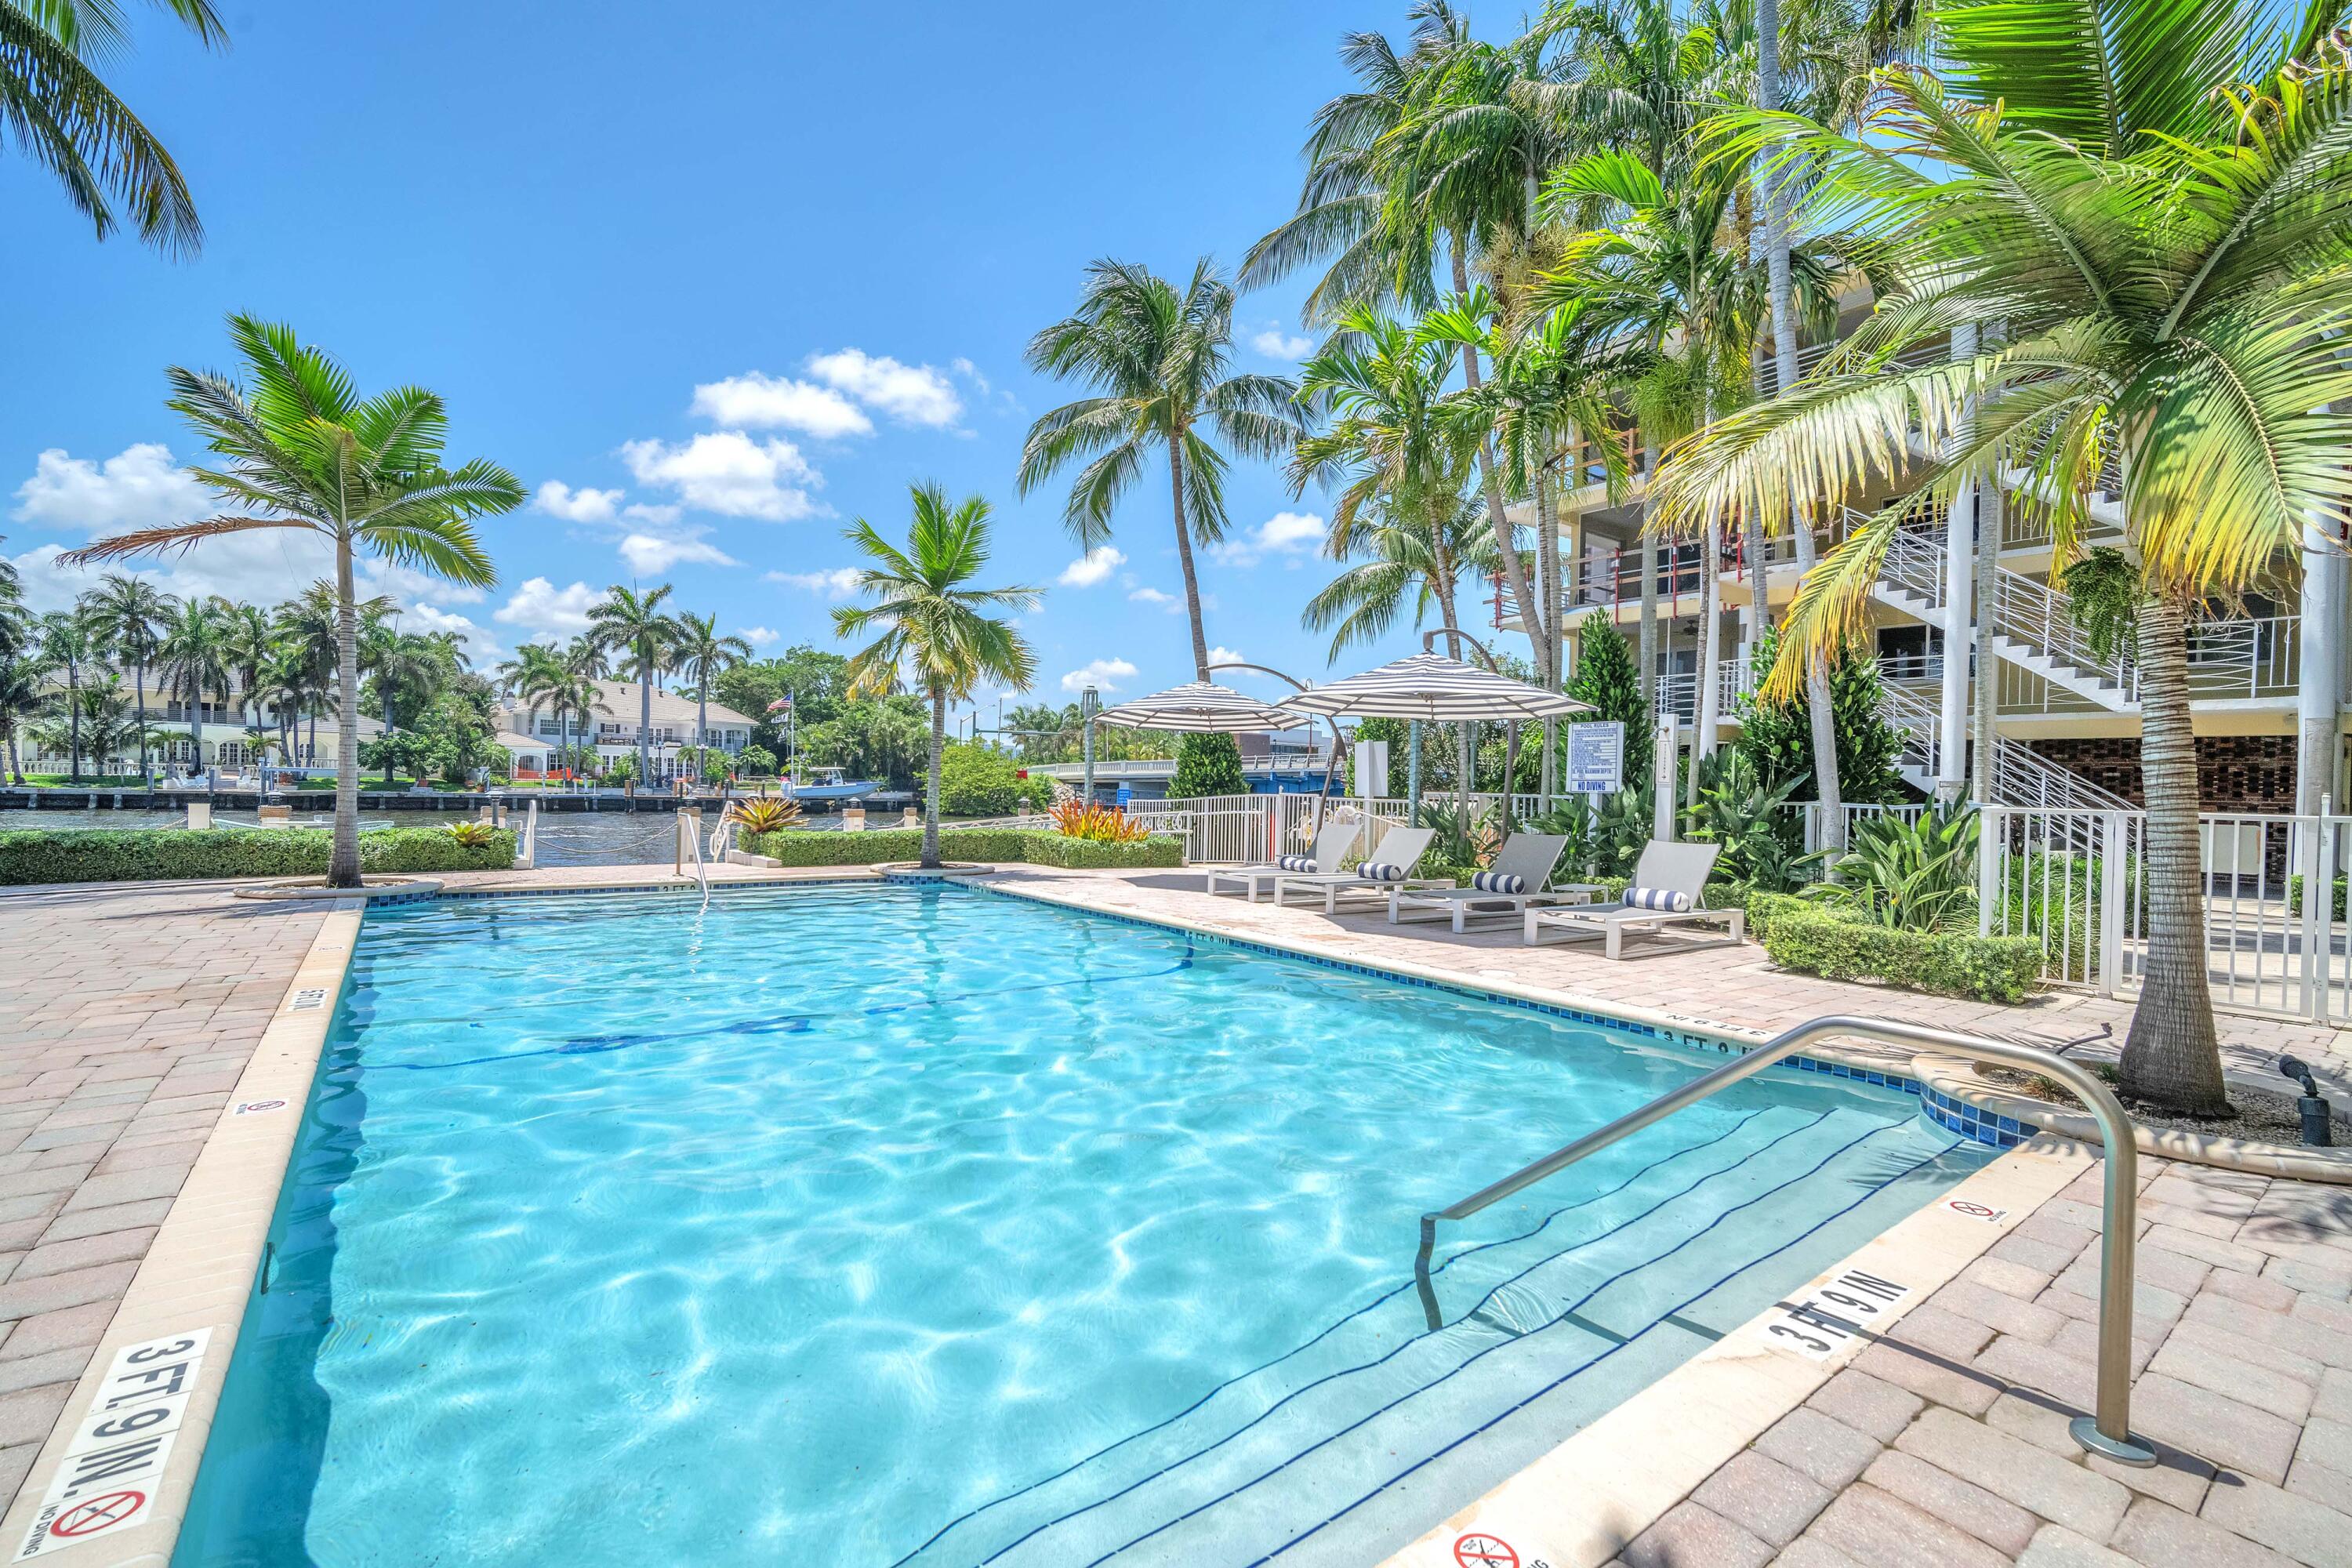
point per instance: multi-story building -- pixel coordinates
(2262, 673)
(535, 732)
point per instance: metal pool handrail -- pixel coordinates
(529, 856)
(2107, 1432)
(689, 842)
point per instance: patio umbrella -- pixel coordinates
(1436, 690)
(1198, 707)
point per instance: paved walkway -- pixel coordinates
(126, 1017)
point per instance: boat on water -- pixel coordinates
(827, 784)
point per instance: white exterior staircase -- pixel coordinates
(2030, 625)
(2021, 775)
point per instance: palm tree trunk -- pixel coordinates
(1704, 701)
(73, 720)
(1184, 556)
(2171, 1055)
(1986, 693)
(644, 722)
(387, 726)
(343, 860)
(931, 788)
(1647, 650)
(138, 680)
(1534, 617)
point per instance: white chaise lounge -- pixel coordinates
(1388, 866)
(1331, 847)
(1663, 899)
(1505, 890)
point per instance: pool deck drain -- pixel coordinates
(148, 1029)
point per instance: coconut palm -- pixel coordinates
(128, 616)
(2170, 242)
(934, 624)
(299, 448)
(24, 696)
(194, 662)
(68, 641)
(635, 625)
(1417, 558)
(1158, 357)
(701, 654)
(310, 629)
(408, 668)
(62, 115)
(251, 639)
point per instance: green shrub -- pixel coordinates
(978, 781)
(1207, 764)
(1815, 941)
(157, 854)
(2295, 896)
(983, 843)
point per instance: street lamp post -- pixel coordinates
(1089, 704)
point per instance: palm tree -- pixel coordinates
(128, 616)
(251, 641)
(407, 668)
(302, 450)
(635, 625)
(2169, 241)
(701, 654)
(68, 640)
(23, 696)
(1418, 556)
(193, 660)
(1159, 358)
(583, 664)
(934, 625)
(310, 628)
(63, 117)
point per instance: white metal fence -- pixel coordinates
(2076, 882)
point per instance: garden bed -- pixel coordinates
(30, 855)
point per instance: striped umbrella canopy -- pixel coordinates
(1199, 707)
(1431, 687)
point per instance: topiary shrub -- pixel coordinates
(1207, 764)
(158, 854)
(978, 781)
(1815, 941)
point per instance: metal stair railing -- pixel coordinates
(2106, 1431)
(2021, 775)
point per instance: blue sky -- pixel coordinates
(713, 281)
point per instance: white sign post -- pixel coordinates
(1663, 759)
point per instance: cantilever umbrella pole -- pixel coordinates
(1339, 741)
(1470, 750)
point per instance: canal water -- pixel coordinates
(565, 838)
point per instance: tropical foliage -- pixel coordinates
(1096, 823)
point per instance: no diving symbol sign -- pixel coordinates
(1976, 1211)
(89, 1518)
(1484, 1551)
(258, 1107)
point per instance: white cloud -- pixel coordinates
(1223, 655)
(729, 473)
(650, 555)
(659, 516)
(1284, 533)
(838, 583)
(1275, 343)
(584, 505)
(759, 637)
(756, 400)
(1154, 596)
(139, 486)
(1105, 673)
(390, 579)
(543, 607)
(1092, 567)
(912, 394)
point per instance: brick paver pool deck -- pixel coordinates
(128, 1014)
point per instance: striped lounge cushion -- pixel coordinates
(1298, 863)
(1656, 899)
(1497, 882)
(1374, 871)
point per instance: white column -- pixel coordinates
(1710, 649)
(2317, 694)
(1959, 575)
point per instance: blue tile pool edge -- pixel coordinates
(1947, 1112)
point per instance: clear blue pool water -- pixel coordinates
(930, 1226)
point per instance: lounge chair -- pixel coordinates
(1665, 898)
(1331, 848)
(1505, 890)
(1388, 866)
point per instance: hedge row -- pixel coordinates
(1814, 940)
(156, 854)
(984, 844)
(2295, 896)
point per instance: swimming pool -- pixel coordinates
(851, 1226)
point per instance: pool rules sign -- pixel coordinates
(106, 1483)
